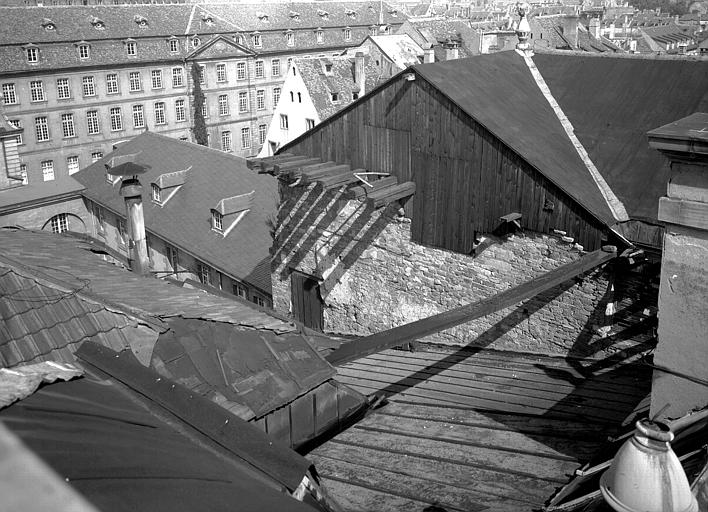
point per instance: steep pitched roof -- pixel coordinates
(184, 219)
(401, 49)
(611, 102)
(443, 30)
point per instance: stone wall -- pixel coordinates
(372, 277)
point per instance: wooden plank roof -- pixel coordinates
(473, 429)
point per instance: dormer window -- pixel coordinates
(393, 12)
(131, 48)
(262, 16)
(373, 30)
(257, 41)
(97, 23)
(32, 54)
(141, 21)
(335, 97)
(239, 39)
(207, 18)
(290, 38)
(84, 51)
(351, 13)
(166, 185)
(328, 68)
(156, 193)
(48, 24)
(320, 36)
(295, 16)
(196, 42)
(323, 14)
(174, 45)
(347, 34)
(217, 221)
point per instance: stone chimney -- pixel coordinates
(429, 55)
(452, 49)
(523, 29)
(359, 73)
(594, 27)
(612, 30)
(132, 191)
(681, 372)
(570, 29)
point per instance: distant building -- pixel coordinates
(314, 90)
(207, 216)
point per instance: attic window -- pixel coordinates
(320, 36)
(156, 193)
(196, 42)
(32, 54)
(328, 67)
(351, 13)
(373, 30)
(238, 38)
(131, 48)
(97, 23)
(217, 221)
(335, 97)
(294, 15)
(323, 14)
(48, 24)
(347, 34)
(393, 12)
(262, 16)
(207, 18)
(256, 39)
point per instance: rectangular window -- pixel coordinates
(112, 83)
(92, 122)
(258, 301)
(309, 124)
(245, 138)
(240, 70)
(89, 87)
(243, 102)
(9, 95)
(177, 80)
(138, 116)
(275, 67)
(262, 130)
(204, 274)
(290, 38)
(16, 124)
(223, 105)
(276, 96)
(257, 42)
(156, 76)
(131, 49)
(41, 128)
(172, 257)
(217, 220)
(156, 193)
(96, 156)
(116, 119)
(36, 90)
(180, 111)
(221, 72)
(122, 231)
(260, 99)
(226, 141)
(63, 91)
(174, 45)
(135, 84)
(32, 55)
(283, 122)
(347, 34)
(67, 125)
(202, 75)
(23, 173)
(260, 69)
(60, 223)
(239, 290)
(72, 164)
(160, 113)
(320, 37)
(48, 170)
(84, 51)
(205, 110)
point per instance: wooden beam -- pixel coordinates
(266, 162)
(329, 171)
(339, 180)
(365, 190)
(291, 165)
(436, 323)
(390, 194)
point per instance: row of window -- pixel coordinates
(88, 85)
(93, 125)
(242, 70)
(47, 166)
(227, 143)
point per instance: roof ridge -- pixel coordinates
(613, 202)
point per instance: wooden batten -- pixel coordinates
(297, 163)
(332, 170)
(269, 166)
(260, 163)
(390, 194)
(340, 180)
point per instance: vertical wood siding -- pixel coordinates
(466, 178)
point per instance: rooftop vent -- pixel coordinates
(294, 15)
(48, 24)
(97, 23)
(349, 12)
(207, 18)
(140, 20)
(322, 14)
(262, 16)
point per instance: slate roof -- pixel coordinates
(627, 97)
(321, 85)
(45, 190)
(438, 31)
(185, 220)
(56, 294)
(401, 49)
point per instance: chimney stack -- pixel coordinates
(359, 73)
(132, 191)
(570, 29)
(452, 50)
(429, 55)
(523, 29)
(594, 27)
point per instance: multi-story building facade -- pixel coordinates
(80, 79)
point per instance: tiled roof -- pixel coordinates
(443, 30)
(11, 198)
(506, 101)
(184, 220)
(321, 85)
(401, 49)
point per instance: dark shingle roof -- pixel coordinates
(611, 102)
(185, 219)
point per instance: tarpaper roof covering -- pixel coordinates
(56, 294)
(123, 457)
(185, 220)
(610, 101)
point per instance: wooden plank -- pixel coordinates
(364, 190)
(382, 197)
(418, 329)
(356, 498)
(297, 163)
(487, 485)
(683, 212)
(533, 466)
(341, 179)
